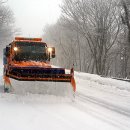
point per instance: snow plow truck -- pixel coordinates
(27, 69)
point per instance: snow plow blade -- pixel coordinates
(39, 80)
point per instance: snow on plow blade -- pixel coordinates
(40, 80)
(38, 87)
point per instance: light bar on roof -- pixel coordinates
(29, 39)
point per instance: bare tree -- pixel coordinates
(90, 34)
(125, 46)
(98, 22)
(64, 41)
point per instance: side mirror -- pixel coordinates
(4, 56)
(51, 52)
(7, 51)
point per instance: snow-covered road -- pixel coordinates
(100, 104)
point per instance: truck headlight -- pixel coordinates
(15, 48)
(49, 50)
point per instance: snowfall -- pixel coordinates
(99, 104)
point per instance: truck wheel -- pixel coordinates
(6, 90)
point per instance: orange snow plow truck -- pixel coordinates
(27, 69)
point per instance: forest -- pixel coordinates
(93, 36)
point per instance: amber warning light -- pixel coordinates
(29, 39)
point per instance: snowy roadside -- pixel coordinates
(113, 83)
(107, 91)
(100, 104)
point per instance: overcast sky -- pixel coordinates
(32, 15)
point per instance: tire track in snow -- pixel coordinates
(102, 103)
(109, 116)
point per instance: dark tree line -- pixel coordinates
(125, 55)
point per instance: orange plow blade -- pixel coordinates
(25, 80)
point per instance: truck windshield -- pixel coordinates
(30, 51)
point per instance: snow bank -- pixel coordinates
(122, 85)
